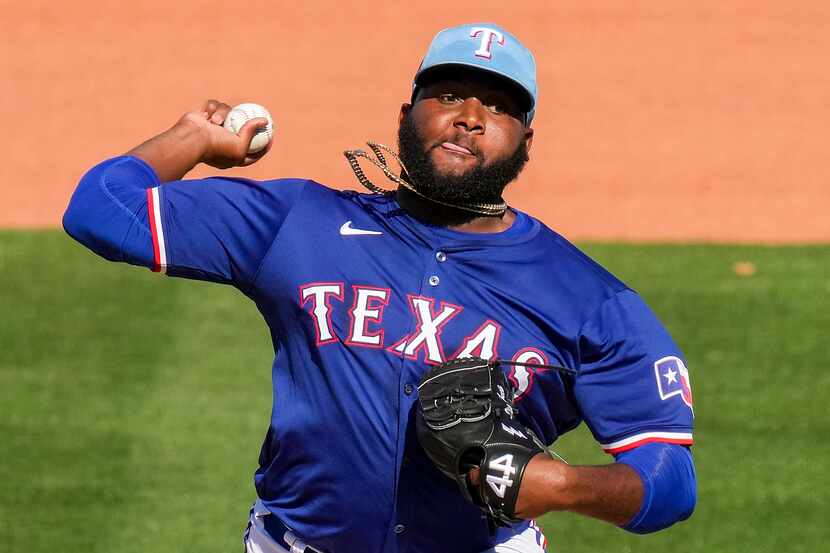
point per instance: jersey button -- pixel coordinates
(400, 528)
(434, 280)
(440, 256)
(408, 389)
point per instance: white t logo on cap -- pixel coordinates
(487, 35)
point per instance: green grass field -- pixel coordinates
(132, 406)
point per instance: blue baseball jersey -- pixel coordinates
(361, 298)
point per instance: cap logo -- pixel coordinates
(485, 47)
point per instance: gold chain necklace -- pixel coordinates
(378, 149)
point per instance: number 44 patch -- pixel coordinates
(504, 466)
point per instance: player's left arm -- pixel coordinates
(649, 488)
(634, 392)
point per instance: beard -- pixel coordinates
(481, 184)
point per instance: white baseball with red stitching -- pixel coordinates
(240, 114)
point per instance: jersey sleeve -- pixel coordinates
(217, 229)
(108, 211)
(632, 386)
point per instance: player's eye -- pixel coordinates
(497, 108)
(449, 98)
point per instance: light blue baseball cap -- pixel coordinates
(487, 47)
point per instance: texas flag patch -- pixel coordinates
(673, 379)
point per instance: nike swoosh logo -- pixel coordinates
(348, 230)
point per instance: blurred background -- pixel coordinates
(683, 145)
(657, 120)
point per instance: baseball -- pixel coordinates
(243, 112)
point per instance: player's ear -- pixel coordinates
(404, 110)
(528, 132)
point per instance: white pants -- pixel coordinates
(257, 539)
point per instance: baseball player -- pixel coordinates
(366, 292)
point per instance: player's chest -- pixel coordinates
(405, 298)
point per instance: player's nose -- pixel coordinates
(471, 115)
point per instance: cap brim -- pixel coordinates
(522, 93)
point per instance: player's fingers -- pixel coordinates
(220, 113)
(251, 128)
(216, 111)
(210, 106)
(247, 133)
(253, 158)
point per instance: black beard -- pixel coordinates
(482, 184)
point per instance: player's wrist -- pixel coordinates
(176, 151)
(192, 132)
(544, 488)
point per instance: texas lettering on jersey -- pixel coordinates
(367, 309)
(320, 299)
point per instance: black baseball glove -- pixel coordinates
(465, 419)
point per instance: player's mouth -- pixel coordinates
(456, 148)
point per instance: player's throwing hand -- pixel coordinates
(199, 137)
(225, 149)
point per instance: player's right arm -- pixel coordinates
(134, 209)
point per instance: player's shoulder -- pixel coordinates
(573, 264)
(239, 193)
(319, 195)
(292, 190)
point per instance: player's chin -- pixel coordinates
(453, 173)
(453, 165)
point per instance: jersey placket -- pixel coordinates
(409, 377)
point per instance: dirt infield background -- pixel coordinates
(659, 120)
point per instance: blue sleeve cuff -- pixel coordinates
(669, 485)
